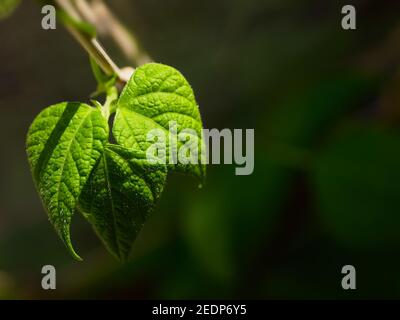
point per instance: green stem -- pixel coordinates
(99, 14)
(109, 106)
(88, 42)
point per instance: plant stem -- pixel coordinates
(98, 13)
(109, 105)
(89, 43)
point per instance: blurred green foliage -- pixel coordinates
(356, 181)
(325, 108)
(7, 7)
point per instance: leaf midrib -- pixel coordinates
(111, 203)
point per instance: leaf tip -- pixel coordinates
(68, 243)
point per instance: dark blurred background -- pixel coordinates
(325, 105)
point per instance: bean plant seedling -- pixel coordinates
(93, 159)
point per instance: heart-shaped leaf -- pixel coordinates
(119, 196)
(158, 97)
(64, 144)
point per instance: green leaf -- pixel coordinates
(156, 95)
(64, 144)
(7, 7)
(119, 196)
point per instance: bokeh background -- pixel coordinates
(325, 106)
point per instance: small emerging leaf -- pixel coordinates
(64, 144)
(155, 96)
(119, 196)
(104, 81)
(84, 28)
